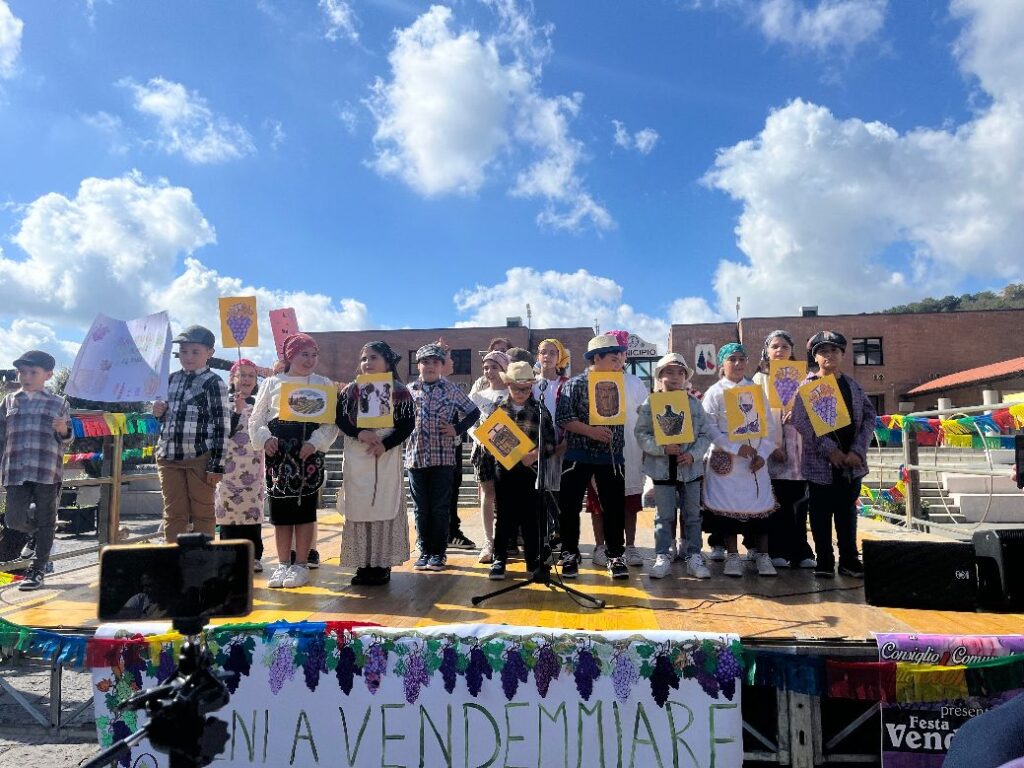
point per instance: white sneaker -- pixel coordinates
(633, 556)
(808, 562)
(599, 556)
(781, 562)
(276, 580)
(298, 575)
(486, 554)
(733, 565)
(661, 568)
(257, 566)
(696, 567)
(764, 565)
(681, 550)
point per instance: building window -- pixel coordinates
(462, 362)
(413, 370)
(878, 403)
(868, 351)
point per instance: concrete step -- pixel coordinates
(966, 483)
(1001, 507)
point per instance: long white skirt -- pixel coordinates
(732, 490)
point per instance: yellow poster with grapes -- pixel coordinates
(825, 405)
(745, 412)
(238, 326)
(784, 379)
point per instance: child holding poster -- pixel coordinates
(737, 489)
(835, 461)
(295, 457)
(674, 467)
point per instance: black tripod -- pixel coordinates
(546, 526)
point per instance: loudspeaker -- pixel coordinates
(1000, 555)
(920, 574)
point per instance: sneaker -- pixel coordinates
(437, 563)
(313, 561)
(718, 554)
(661, 568)
(852, 568)
(497, 572)
(600, 556)
(633, 556)
(824, 571)
(421, 562)
(276, 580)
(29, 550)
(681, 550)
(297, 576)
(459, 540)
(780, 562)
(696, 567)
(570, 565)
(733, 565)
(486, 554)
(808, 562)
(764, 565)
(617, 568)
(49, 567)
(33, 580)
(257, 566)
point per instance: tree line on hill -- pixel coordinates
(1011, 297)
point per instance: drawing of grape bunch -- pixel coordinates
(823, 401)
(786, 384)
(240, 319)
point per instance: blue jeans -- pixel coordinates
(686, 498)
(431, 489)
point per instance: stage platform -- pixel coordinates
(792, 609)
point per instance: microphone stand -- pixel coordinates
(545, 557)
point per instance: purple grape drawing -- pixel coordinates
(624, 675)
(823, 401)
(375, 666)
(786, 385)
(546, 669)
(663, 677)
(239, 321)
(587, 670)
(415, 676)
(513, 673)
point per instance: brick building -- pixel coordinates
(889, 355)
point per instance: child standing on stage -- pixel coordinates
(553, 359)
(195, 421)
(238, 502)
(835, 463)
(443, 413)
(35, 430)
(519, 505)
(676, 471)
(737, 488)
(295, 461)
(487, 398)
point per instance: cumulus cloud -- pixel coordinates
(276, 131)
(22, 335)
(340, 20)
(187, 124)
(10, 40)
(853, 214)
(117, 246)
(643, 141)
(829, 24)
(461, 108)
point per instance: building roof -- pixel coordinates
(1007, 369)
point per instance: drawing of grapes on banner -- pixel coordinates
(240, 318)
(823, 401)
(786, 383)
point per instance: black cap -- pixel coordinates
(37, 357)
(195, 334)
(834, 338)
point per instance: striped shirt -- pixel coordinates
(30, 451)
(437, 404)
(197, 420)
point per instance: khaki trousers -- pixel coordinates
(188, 498)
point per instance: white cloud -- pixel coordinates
(842, 24)
(276, 131)
(112, 127)
(643, 141)
(462, 108)
(21, 336)
(10, 40)
(187, 124)
(116, 247)
(854, 215)
(348, 117)
(340, 20)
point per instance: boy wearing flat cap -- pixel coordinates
(35, 429)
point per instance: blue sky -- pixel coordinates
(387, 163)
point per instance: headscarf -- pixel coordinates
(563, 355)
(727, 349)
(776, 335)
(296, 343)
(242, 361)
(390, 356)
(497, 357)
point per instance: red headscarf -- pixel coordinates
(297, 342)
(240, 363)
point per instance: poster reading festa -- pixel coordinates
(457, 695)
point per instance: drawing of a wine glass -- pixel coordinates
(751, 420)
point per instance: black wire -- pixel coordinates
(711, 602)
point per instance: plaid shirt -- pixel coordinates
(436, 404)
(815, 464)
(574, 405)
(30, 451)
(197, 420)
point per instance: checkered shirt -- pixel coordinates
(197, 420)
(30, 451)
(435, 404)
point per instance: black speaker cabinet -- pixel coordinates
(1000, 555)
(920, 574)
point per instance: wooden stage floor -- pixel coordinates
(793, 607)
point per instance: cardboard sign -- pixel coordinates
(745, 412)
(784, 379)
(607, 391)
(673, 421)
(705, 361)
(825, 405)
(315, 403)
(238, 326)
(282, 324)
(505, 441)
(375, 409)
(123, 361)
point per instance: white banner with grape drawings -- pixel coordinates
(458, 695)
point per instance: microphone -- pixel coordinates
(543, 385)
